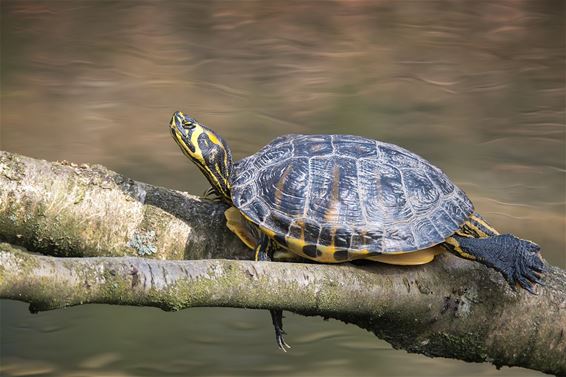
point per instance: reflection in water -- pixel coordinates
(475, 87)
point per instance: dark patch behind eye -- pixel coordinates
(203, 141)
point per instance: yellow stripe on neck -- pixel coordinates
(214, 139)
(194, 141)
(198, 158)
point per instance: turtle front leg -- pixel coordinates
(518, 260)
(264, 252)
(212, 195)
(241, 227)
(265, 249)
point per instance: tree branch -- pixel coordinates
(63, 209)
(450, 307)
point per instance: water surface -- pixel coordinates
(475, 87)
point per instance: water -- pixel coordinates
(475, 87)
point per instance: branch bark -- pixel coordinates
(450, 308)
(62, 209)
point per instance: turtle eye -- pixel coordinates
(189, 126)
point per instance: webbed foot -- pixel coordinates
(277, 318)
(519, 261)
(525, 269)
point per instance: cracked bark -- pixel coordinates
(82, 216)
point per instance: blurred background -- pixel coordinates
(476, 87)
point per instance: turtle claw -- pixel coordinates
(525, 284)
(539, 267)
(212, 195)
(281, 341)
(535, 277)
(526, 270)
(277, 318)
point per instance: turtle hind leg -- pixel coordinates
(277, 319)
(264, 252)
(518, 260)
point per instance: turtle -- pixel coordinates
(340, 198)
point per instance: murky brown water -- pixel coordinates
(475, 87)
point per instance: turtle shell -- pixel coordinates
(347, 197)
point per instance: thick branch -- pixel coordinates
(64, 209)
(450, 308)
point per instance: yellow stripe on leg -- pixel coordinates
(454, 245)
(483, 223)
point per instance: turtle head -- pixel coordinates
(206, 149)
